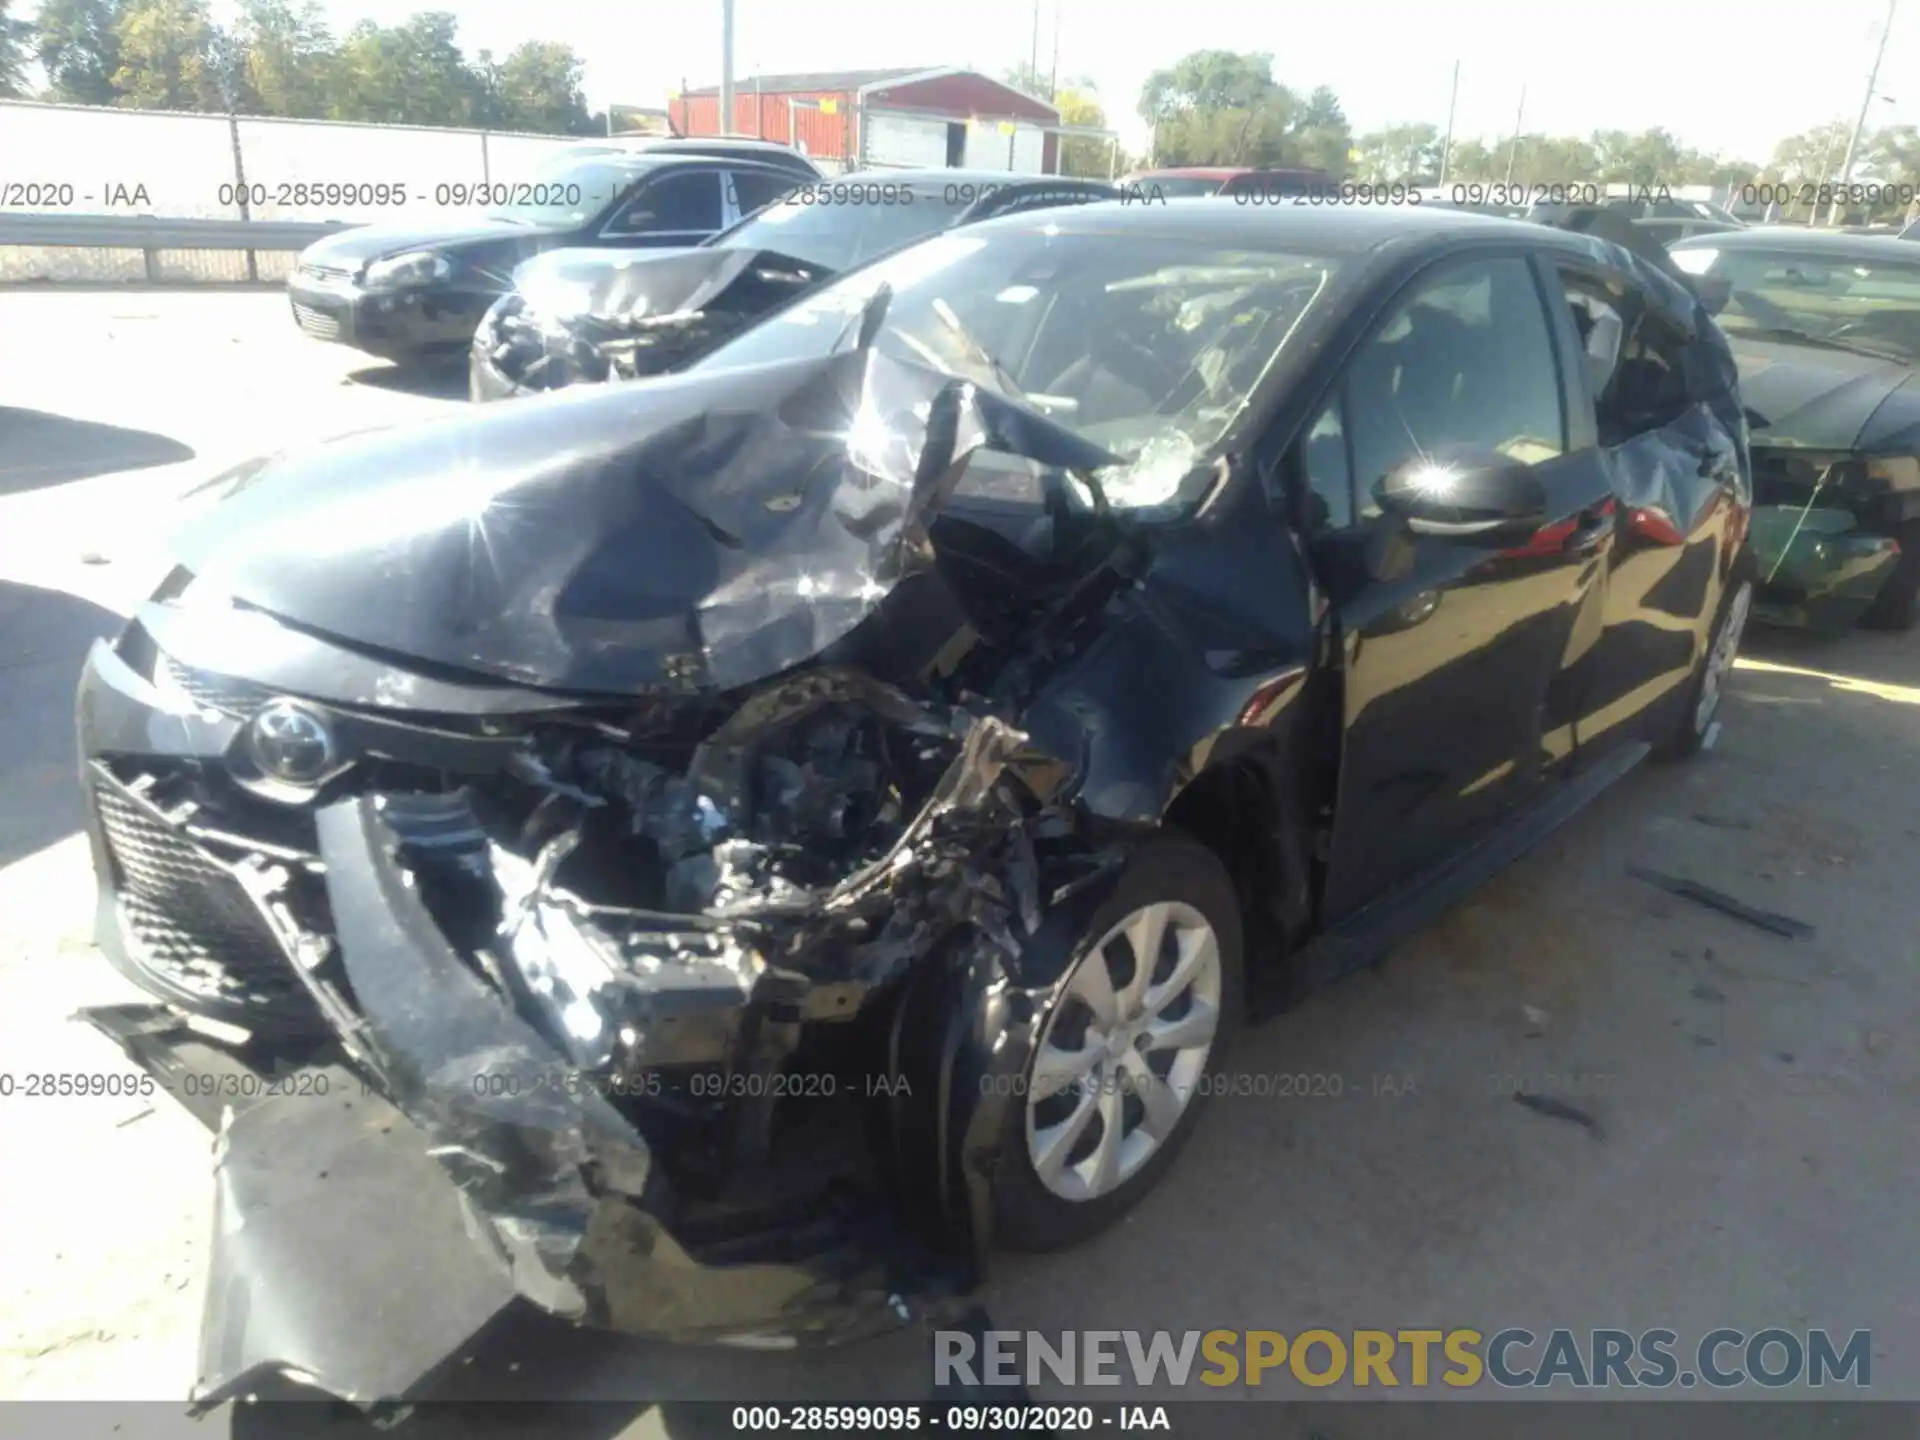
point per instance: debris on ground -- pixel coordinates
(1560, 1110)
(1722, 822)
(1536, 1020)
(1784, 925)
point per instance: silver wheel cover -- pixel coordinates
(1122, 1053)
(1726, 649)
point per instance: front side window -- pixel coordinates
(683, 202)
(1467, 360)
(1149, 347)
(1328, 475)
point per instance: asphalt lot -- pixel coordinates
(1757, 1097)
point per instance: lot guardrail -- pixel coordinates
(152, 234)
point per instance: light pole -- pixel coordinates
(1866, 103)
(726, 67)
(1453, 104)
(1513, 150)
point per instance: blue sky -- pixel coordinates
(1722, 76)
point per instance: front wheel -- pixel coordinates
(1117, 1079)
(1709, 683)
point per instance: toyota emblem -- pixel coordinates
(292, 742)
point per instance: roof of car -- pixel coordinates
(1342, 229)
(1797, 239)
(637, 161)
(998, 178)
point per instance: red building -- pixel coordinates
(945, 117)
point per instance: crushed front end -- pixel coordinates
(585, 317)
(677, 993)
(680, 1018)
(1822, 532)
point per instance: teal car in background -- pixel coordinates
(1826, 330)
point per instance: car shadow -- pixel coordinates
(44, 636)
(442, 379)
(529, 1374)
(39, 450)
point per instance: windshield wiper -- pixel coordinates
(867, 323)
(979, 352)
(1825, 342)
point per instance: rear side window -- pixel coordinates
(1598, 314)
(1649, 389)
(752, 189)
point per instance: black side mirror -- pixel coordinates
(1463, 494)
(1714, 292)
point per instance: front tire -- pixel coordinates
(1120, 1068)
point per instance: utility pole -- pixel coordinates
(1053, 80)
(1033, 56)
(1453, 104)
(1513, 150)
(726, 67)
(1866, 102)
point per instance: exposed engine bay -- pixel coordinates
(583, 317)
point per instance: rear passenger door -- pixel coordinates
(1672, 469)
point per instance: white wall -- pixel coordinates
(183, 160)
(987, 149)
(904, 140)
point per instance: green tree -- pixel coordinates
(410, 74)
(1318, 134)
(1207, 80)
(537, 88)
(78, 44)
(286, 58)
(1083, 154)
(15, 45)
(1474, 161)
(1409, 154)
(168, 57)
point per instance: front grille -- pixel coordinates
(221, 693)
(188, 920)
(321, 327)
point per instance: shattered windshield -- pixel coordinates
(1149, 348)
(570, 191)
(840, 236)
(1874, 307)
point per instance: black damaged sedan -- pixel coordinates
(712, 857)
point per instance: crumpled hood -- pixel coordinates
(1813, 398)
(701, 531)
(638, 285)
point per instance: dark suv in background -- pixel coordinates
(414, 290)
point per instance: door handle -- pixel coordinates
(1591, 533)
